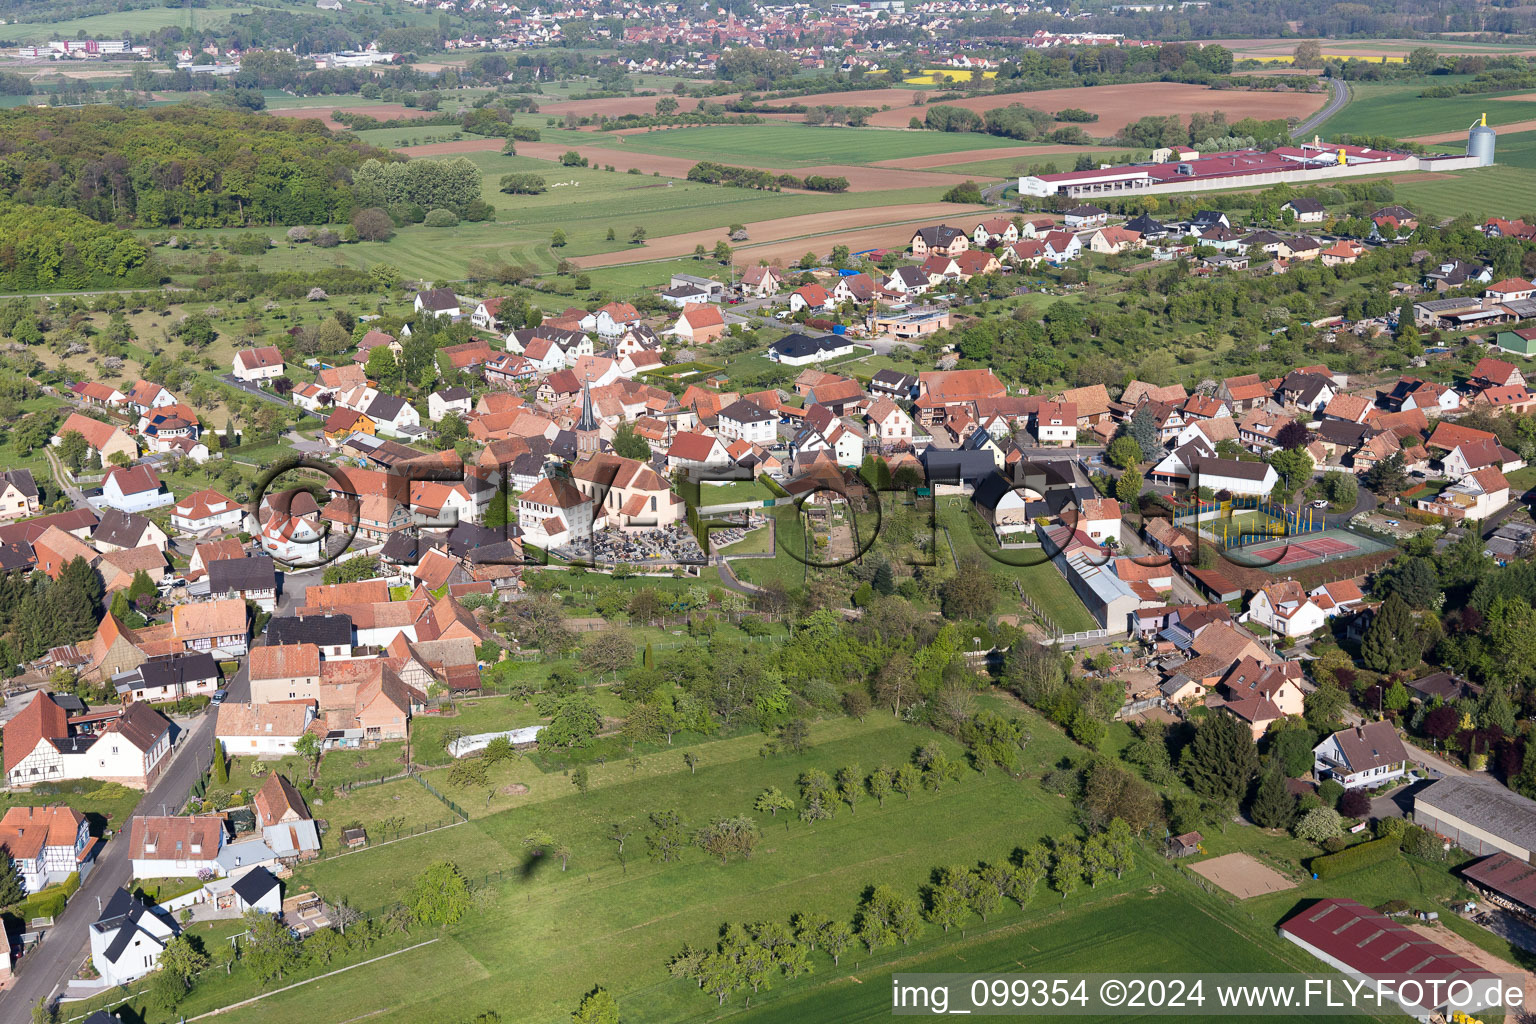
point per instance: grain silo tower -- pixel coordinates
(1480, 142)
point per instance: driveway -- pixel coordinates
(46, 969)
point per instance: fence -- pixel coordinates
(1039, 613)
(455, 808)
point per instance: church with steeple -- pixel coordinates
(589, 439)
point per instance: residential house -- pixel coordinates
(1056, 424)
(219, 627)
(744, 421)
(1364, 755)
(1498, 373)
(168, 679)
(127, 939)
(1476, 495)
(105, 439)
(1350, 408)
(328, 631)
(125, 531)
(1085, 216)
(128, 750)
(253, 579)
(46, 844)
(394, 416)
(486, 314)
(1342, 252)
(284, 820)
(133, 489)
(467, 356)
(1511, 289)
(1306, 211)
(146, 395)
(699, 324)
(801, 349)
(889, 424)
(908, 281)
(257, 365)
(1285, 609)
(1113, 240)
(1061, 246)
(761, 282)
(454, 400)
(284, 673)
(976, 263)
(554, 514)
(1244, 392)
(611, 320)
(994, 231)
(691, 451)
(437, 301)
(264, 730)
(161, 846)
(811, 296)
(1259, 695)
(893, 383)
(940, 239)
(18, 494)
(1471, 456)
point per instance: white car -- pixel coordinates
(782, 314)
(1320, 503)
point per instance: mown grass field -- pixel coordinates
(120, 24)
(799, 145)
(551, 935)
(1398, 110)
(1504, 191)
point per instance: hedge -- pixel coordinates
(1356, 857)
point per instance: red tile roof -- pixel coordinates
(39, 720)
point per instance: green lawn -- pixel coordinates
(107, 804)
(1030, 569)
(1488, 191)
(1014, 166)
(798, 145)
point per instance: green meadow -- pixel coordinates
(797, 145)
(1398, 110)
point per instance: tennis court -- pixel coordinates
(1287, 553)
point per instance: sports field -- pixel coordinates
(1288, 553)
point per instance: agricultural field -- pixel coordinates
(120, 24)
(1119, 105)
(1397, 110)
(796, 145)
(1487, 191)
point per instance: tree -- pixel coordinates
(308, 747)
(880, 783)
(665, 839)
(1066, 868)
(722, 252)
(373, 225)
(597, 1006)
(816, 796)
(581, 779)
(971, 593)
(637, 236)
(630, 445)
(1318, 824)
(1308, 54)
(220, 762)
(725, 836)
(1390, 644)
(692, 761)
(773, 801)
(1387, 477)
(906, 780)
(574, 724)
(966, 192)
(557, 239)
(1290, 749)
(888, 916)
(1221, 760)
(541, 844)
(796, 735)
(610, 651)
(11, 890)
(1143, 429)
(73, 448)
(850, 786)
(1124, 452)
(1414, 579)
(439, 896)
(1128, 487)
(271, 949)
(1354, 804)
(183, 959)
(947, 904)
(1273, 805)
(1292, 435)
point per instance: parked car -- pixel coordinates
(218, 697)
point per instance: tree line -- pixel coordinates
(712, 173)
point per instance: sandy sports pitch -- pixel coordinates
(1242, 876)
(788, 238)
(1119, 105)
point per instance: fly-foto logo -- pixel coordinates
(1041, 501)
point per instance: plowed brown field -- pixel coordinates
(1119, 105)
(788, 238)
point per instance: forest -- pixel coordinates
(189, 166)
(43, 248)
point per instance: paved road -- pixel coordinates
(44, 972)
(1340, 96)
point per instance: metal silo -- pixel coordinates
(1480, 142)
